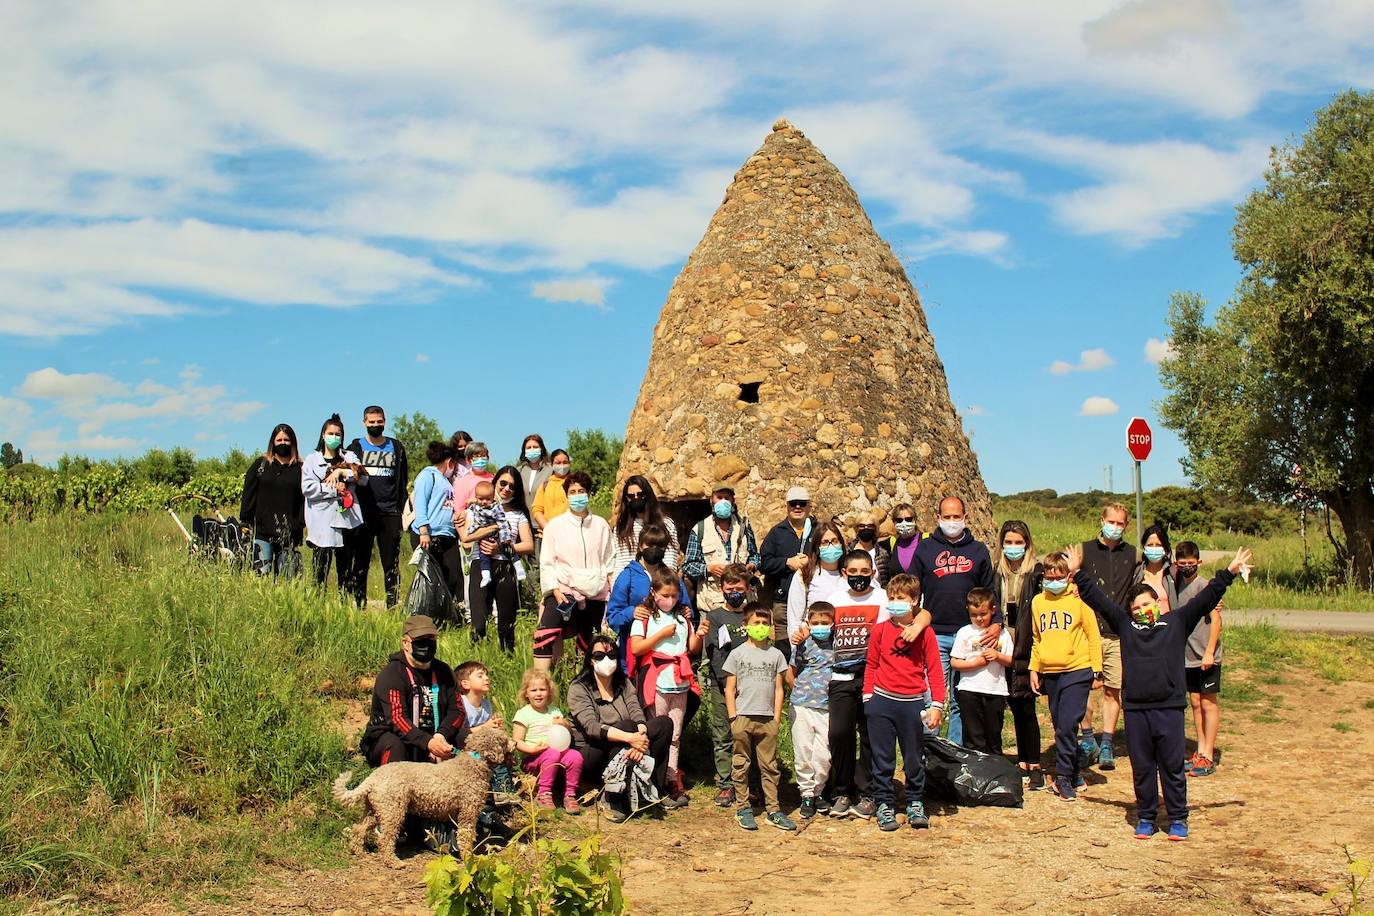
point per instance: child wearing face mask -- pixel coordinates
(727, 634)
(1066, 659)
(661, 646)
(1203, 661)
(754, 675)
(813, 664)
(1154, 686)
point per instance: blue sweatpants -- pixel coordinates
(1154, 739)
(1068, 693)
(892, 723)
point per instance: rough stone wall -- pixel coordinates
(792, 290)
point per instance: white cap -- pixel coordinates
(796, 493)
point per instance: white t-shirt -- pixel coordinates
(825, 586)
(992, 677)
(674, 645)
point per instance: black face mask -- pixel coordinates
(422, 650)
(867, 534)
(375, 431)
(636, 503)
(859, 583)
(736, 599)
(282, 449)
(652, 555)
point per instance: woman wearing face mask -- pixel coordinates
(820, 579)
(607, 718)
(866, 538)
(902, 557)
(638, 506)
(552, 498)
(575, 574)
(631, 586)
(1153, 568)
(1017, 578)
(501, 597)
(534, 465)
(274, 505)
(433, 530)
(479, 469)
(329, 480)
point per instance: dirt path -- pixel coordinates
(1266, 834)
(1306, 621)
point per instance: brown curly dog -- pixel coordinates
(455, 790)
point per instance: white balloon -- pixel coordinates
(558, 737)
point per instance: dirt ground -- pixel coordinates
(1266, 835)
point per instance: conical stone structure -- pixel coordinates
(793, 350)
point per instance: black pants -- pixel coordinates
(385, 531)
(446, 552)
(1068, 693)
(552, 628)
(596, 753)
(892, 723)
(1154, 739)
(500, 599)
(1027, 727)
(982, 714)
(389, 748)
(847, 713)
(341, 558)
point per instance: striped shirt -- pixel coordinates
(625, 553)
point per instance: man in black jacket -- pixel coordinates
(381, 500)
(417, 712)
(782, 554)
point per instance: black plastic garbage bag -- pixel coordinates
(970, 777)
(429, 593)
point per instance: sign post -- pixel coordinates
(1139, 440)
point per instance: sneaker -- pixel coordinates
(822, 804)
(672, 802)
(1106, 756)
(916, 817)
(807, 809)
(614, 814)
(570, 804)
(887, 818)
(1144, 830)
(745, 818)
(1037, 779)
(1087, 751)
(866, 808)
(725, 797)
(1203, 767)
(1078, 781)
(781, 821)
(1063, 787)
(486, 578)
(841, 807)
(1191, 761)
(545, 801)
(1178, 830)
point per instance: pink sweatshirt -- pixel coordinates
(577, 555)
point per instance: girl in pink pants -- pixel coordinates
(530, 728)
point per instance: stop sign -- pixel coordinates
(1139, 438)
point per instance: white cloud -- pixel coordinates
(1093, 360)
(973, 410)
(16, 414)
(1156, 350)
(588, 290)
(79, 388)
(422, 357)
(1098, 407)
(1153, 24)
(981, 243)
(47, 444)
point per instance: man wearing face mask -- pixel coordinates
(950, 563)
(416, 712)
(722, 538)
(866, 538)
(388, 476)
(1110, 562)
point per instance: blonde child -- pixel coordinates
(530, 729)
(662, 641)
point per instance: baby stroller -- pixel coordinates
(215, 538)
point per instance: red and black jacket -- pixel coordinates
(401, 697)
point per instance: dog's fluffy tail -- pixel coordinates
(345, 795)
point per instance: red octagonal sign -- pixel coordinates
(1139, 438)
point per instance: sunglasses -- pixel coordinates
(600, 656)
(505, 485)
(798, 503)
(904, 518)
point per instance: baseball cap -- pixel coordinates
(419, 625)
(723, 487)
(798, 493)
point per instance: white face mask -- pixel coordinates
(906, 529)
(952, 527)
(606, 667)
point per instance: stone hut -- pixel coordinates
(793, 350)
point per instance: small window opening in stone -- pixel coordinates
(749, 392)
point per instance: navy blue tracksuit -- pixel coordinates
(1154, 691)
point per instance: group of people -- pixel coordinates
(874, 636)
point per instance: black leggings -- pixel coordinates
(597, 753)
(445, 551)
(500, 599)
(1027, 726)
(341, 558)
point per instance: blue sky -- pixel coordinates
(216, 217)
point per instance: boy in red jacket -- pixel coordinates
(903, 664)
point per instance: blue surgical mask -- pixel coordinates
(723, 509)
(899, 608)
(1112, 532)
(1014, 551)
(1154, 554)
(533, 454)
(820, 632)
(479, 464)
(578, 502)
(831, 553)
(1056, 586)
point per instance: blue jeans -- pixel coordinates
(267, 558)
(956, 724)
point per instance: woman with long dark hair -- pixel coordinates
(638, 506)
(273, 504)
(501, 597)
(820, 579)
(1154, 568)
(329, 480)
(551, 499)
(534, 465)
(1017, 578)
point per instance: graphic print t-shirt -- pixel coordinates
(854, 620)
(383, 484)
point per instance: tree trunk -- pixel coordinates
(1355, 509)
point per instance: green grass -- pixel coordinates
(1369, 703)
(1343, 727)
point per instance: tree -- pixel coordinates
(1276, 394)
(416, 431)
(10, 456)
(596, 453)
